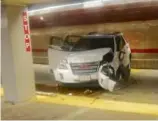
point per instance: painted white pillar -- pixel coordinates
(17, 65)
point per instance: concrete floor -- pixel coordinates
(47, 111)
(76, 103)
(143, 90)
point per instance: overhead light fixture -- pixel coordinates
(41, 18)
(95, 3)
(52, 8)
(87, 4)
(107, 0)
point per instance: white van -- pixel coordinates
(87, 58)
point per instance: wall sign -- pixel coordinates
(27, 39)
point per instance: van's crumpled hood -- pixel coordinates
(56, 56)
(87, 56)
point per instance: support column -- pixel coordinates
(17, 65)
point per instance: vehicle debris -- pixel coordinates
(70, 94)
(88, 91)
(45, 93)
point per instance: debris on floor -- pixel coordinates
(70, 94)
(88, 91)
(45, 93)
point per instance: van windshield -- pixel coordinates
(93, 43)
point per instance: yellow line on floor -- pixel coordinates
(81, 101)
(135, 70)
(129, 107)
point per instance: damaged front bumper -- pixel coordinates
(106, 83)
(67, 76)
(106, 77)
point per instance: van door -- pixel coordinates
(121, 50)
(125, 49)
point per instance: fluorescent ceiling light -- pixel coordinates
(96, 3)
(88, 4)
(52, 8)
(41, 18)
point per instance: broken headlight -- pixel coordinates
(108, 70)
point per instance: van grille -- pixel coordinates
(84, 68)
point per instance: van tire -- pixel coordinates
(123, 74)
(119, 74)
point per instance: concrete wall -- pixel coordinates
(141, 35)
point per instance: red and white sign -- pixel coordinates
(26, 32)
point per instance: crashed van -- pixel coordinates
(104, 58)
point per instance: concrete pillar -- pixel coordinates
(17, 67)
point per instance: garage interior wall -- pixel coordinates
(141, 35)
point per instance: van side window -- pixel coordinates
(55, 41)
(119, 42)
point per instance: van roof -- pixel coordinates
(96, 35)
